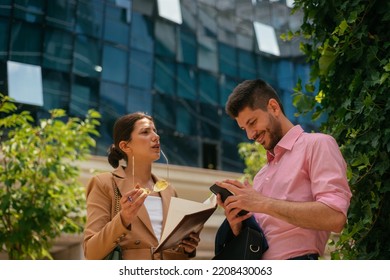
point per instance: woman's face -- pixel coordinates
(145, 142)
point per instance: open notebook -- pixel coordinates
(185, 216)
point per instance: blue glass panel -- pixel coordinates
(247, 65)
(285, 76)
(163, 113)
(61, 14)
(57, 52)
(165, 39)
(187, 115)
(5, 8)
(116, 29)
(26, 43)
(180, 150)
(56, 88)
(86, 57)
(210, 121)
(208, 88)
(164, 77)
(230, 131)
(231, 160)
(4, 39)
(112, 100)
(187, 80)
(227, 60)
(141, 33)
(114, 64)
(141, 69)
(29, 10)
(227, 85)
(139, 100)
(90, 17)
(84, 96)
(208, 54)
(267, 69)
(187, 48)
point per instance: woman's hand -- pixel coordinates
(131, 202)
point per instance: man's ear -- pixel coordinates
(274, 107)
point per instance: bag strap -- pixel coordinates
(117, 196)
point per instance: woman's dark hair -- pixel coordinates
(254, 94)
(123, 128)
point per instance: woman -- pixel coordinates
(142, 212)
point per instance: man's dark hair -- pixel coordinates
(254, 94)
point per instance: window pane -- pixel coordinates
(90, 17)
(164, 116)
(165, 39)
(227, 60)
(31, 11)
(231, 160)
(58, 46)
(139, 100)
(187, 80)
(208, 54)
(61, 13)
(26, 43)
(207, 20)
(164, 77)
(208, 88)
(114, 64)
(116, 27)
(5, 8)
(141, 69)
(180, 150)
(56, 88)
(84, 96)
(4, 27)
(226, 88)
(112, 106)
(186, 48)
(87, 57)
(189, 10)
(187, 117)
(210, 124)
(267, 69)
(170, 10)
(247, 65)
(141, 33)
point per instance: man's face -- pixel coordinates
(260, 126)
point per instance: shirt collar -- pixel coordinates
(287, 142)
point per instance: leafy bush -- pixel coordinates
(349, 49)
(40, 195)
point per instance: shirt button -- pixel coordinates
(137, 242)
(267, 179)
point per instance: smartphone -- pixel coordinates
(224, 194)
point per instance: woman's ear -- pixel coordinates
(125, 147)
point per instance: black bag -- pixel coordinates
(116, 254)
(250, 244)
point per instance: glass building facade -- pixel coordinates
(176, 60)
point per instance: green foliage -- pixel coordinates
(40, 195)
(348, 47)
(254, 156)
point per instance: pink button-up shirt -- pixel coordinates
(305, 167)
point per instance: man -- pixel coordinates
(302, 194)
